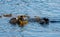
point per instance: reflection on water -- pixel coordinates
(32, 29)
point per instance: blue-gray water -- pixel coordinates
(41, 8)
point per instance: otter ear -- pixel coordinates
(18, 16)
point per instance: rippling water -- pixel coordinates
(42, 8)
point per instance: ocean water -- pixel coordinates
(41, 8)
